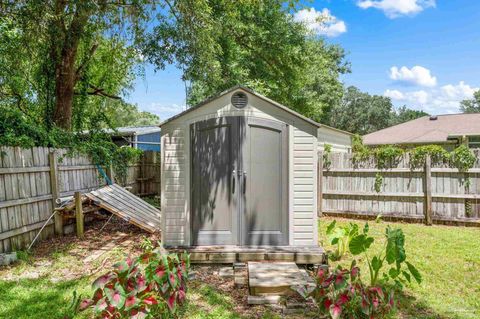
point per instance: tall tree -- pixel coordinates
(62, 36)
(255, 43)
(404, 114)
(472, 105)
(361, 113)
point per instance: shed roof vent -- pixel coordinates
(433, 118)
(239, 100)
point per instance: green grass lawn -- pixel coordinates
(42, 286)
(449, 260)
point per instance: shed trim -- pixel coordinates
(241, 87)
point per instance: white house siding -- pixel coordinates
(305, 230)
(340, 141)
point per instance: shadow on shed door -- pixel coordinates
(239, 182)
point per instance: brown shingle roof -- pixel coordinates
(424, 130)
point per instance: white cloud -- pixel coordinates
(165, 111)
(397, 8)
(321, 22)
(416, 75)
(445, 99)
(394, 94)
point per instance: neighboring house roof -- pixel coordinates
(427, 129)
(134, 130)
(259, 96)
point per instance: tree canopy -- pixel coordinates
(219, 44)
(66, 63)
(362, 113)
(471, 105)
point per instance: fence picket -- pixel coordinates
(27, 189)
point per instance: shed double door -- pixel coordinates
(239, 182)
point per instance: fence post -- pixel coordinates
(111, 173)
(79, 214)
(53, 163)
(428, 191)
(319, 183)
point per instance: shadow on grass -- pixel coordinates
(206, 302)
(38, 298)
(410, 307)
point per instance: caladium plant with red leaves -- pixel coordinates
(151, 285)
(341, 294)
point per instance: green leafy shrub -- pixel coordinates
(341, 236)
(152, 285)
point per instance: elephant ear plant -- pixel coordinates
(341, 293)
(341, 237)
(392, 255)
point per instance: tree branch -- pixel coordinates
(99, 92)
(78, 72)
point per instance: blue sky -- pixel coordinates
(421, 53)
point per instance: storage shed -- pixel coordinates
(240, 169)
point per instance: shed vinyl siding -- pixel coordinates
(174, 190)
(303, 140)
(341, 142)
(304, 181)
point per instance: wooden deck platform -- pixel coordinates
(232, 254)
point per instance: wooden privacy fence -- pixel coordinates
(432, 193)
(32, 179)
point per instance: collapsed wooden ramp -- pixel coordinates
(127, 206)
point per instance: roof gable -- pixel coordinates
(426, 130)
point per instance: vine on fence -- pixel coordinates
(18, 130)
(389, 156)
(327, 149)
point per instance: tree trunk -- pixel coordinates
(65, 71)
(65, 79)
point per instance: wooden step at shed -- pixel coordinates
(232, 254)
(275, 278)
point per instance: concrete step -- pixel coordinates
(276, 278)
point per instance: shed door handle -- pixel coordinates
(244, 182)
(233, 182)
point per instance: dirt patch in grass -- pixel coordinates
(42, 284)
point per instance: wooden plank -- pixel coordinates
(124, 194)
(126, 217)
(64, 168)
(110, 173)
(54, 186)
(22, 230)
(127, 206)
(126, 201)
(399, 170)
(428, 191)
(21, 170)
(79, 214)
(331, 193)
(120, 205)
